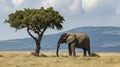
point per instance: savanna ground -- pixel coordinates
(49, 59)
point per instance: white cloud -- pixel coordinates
(75, 6)
(49, 3)
(52, 2)
(88, 4)
(17, 2)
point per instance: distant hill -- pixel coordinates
(103, 39)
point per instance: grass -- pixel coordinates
(49, 59)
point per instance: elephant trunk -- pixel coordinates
(57, 50)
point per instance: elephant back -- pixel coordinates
(81, 37)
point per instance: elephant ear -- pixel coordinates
(70, 37)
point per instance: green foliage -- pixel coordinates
(36, 20)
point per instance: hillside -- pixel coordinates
(103, 39)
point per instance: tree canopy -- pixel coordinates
(36, 19)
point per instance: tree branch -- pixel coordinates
(31, 34)
(40, 35)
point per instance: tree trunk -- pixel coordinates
(37, 50)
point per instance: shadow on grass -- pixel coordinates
(94, 55)
(64, 56)
(1, 56)
(43, 55)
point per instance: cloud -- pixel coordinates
(84, 7)
(17, 2)
(103, 8)
(89, 4)
(76, 7)
(49, 3)
(67, 7)
(71, 9)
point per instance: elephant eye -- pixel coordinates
(65, 38)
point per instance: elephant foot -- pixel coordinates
(74, 55)
(35, 54)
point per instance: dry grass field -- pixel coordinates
(49, 59)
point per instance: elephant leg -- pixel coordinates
(84, 52)
(73, 49)
(69, 49)
(89, 52)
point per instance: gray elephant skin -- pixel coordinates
(78, 40)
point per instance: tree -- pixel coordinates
(36, 21)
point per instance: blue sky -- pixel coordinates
(77, 13)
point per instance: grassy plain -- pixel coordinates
(49, 59)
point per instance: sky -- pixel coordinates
(77, 13)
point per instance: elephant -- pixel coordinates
(78, 40)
